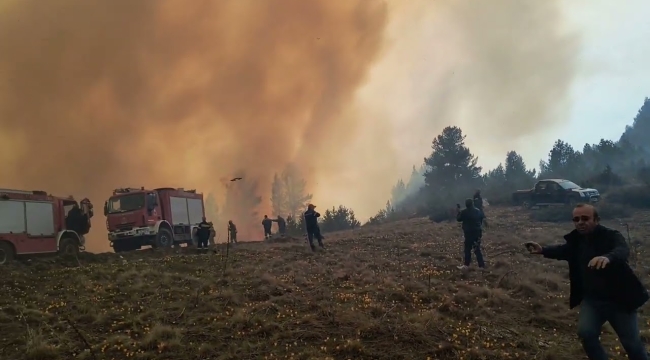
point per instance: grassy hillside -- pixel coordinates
(385, 292)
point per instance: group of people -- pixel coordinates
(205, 232)
(311, 226)
(601, 280)
(267, 224)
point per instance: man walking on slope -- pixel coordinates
(601, 282)
(313, 230)
(232, 231)
(472, 219)
(267, 224)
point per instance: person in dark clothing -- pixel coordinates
(478, 200)
(282, 225)
(313, 230)
(601, 282)
(267, 224)
(232, 231)
(203, 234)
(472, 219)
(77, 220)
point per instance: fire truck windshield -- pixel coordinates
(124, 203)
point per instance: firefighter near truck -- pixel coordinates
(37, 223)
(160, 218)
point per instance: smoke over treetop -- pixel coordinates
(97, 95)
(103, 94)
(501, 70)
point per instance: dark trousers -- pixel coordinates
(473, 242)
(267, 233)
(594, 314)
(314, 233)
(202, 242)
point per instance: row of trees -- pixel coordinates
(289, 198)
(451, 172)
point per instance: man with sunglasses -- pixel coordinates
(601, 282)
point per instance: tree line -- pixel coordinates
(289, 198)
(619, 169)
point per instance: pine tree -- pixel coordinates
(337, 219)
(416, 181)
(451, 167)
(639, 133)
(295, 188)
(279, 196)
(563, 162)
(398, 193)
(516, 173)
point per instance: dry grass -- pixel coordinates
(388, 292)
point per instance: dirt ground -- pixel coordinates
(386, 292)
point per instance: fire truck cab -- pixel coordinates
(34, 222)
(161, 218)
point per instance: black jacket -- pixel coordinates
(472, 219)
(282, 224)
(478, 202)
(627, 291)
(267, 224)
(311, 219)
(203, 232)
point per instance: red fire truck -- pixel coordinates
(162, 217)
(34, 222)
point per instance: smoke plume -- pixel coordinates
(502, 70)
(104, 94)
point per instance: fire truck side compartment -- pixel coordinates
(40, 218)
(12, 217)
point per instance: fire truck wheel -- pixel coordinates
(69, 246)
(7, 253)
(164, 239)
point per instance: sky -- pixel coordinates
(605, 88)
(615, 76)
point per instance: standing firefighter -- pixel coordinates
(203, 234)
(267, 224)
(313, 230)
(282, 225)
(472, 219)
(232, 231)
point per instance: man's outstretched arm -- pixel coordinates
(556, 252)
